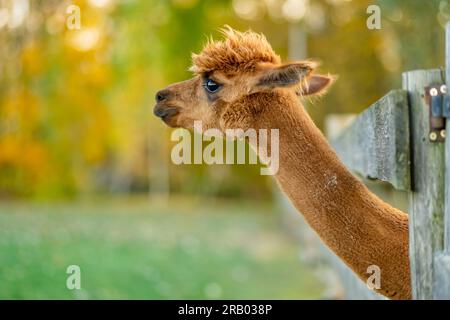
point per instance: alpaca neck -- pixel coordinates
(358, 226)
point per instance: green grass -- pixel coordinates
(138, 249)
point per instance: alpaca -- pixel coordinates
(240, 82)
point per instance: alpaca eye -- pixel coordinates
(211, 86)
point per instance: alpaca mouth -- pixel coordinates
(170, 120)
(166, 114)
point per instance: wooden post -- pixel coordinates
(426, 200)
(442, 259)
(447, 150)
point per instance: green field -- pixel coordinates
(140, 249)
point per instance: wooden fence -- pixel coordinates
(401, 140)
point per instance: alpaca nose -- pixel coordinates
(161, 95)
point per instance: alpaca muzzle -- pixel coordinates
(164, 112)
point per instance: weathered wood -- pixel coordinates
(447, 150)
(442, 276)
(426, 200)
(442, 259)
(376, 144)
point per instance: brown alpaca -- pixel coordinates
(240, 83)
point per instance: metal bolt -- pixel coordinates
(443, 88)
(433, 136)
(433, 92)
(442, 133)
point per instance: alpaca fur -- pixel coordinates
(258, 92)
(239, 52)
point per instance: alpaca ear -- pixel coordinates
(285, 76)
(317, 84)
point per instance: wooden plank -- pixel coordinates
(376, 144)
(447, 149)
(442, 259)
(442, 276)
(426, 200)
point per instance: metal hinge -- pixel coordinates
(439, 105)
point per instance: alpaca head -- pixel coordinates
(230, 80)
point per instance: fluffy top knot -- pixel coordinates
(237, 52)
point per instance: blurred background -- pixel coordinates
(85, 170)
